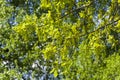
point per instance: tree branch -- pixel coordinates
(101, 27)
(78, 9)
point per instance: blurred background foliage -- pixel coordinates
(59, 39)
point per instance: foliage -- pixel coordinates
(62, 40)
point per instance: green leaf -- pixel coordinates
(55, 73)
